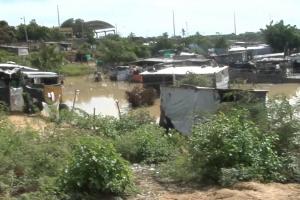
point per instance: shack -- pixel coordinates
(120, 73)
(18, 50)
(168, 75)
(22, 88)
(181, 107)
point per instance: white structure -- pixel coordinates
(259, 49)
(219, 74)
(182, 106)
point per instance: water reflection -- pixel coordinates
(102, 95)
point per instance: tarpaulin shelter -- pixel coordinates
(181, 107)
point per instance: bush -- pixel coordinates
(232, 143)
(26, 159)
(96, 167)
(146, 144)
(75, 69)
(141, 97)
(196, 80)
(106, 125)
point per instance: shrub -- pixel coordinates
(96, 167)
(133, 120)
(232, 143)
(75, 69)
(146, 144)
(107, 125)
(26, 159)
(141, 97)
(196, 80)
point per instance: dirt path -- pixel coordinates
(23, 121)
(151, 189)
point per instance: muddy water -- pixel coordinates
(102, 95)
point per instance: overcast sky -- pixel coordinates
(154, 17)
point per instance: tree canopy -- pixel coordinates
(282, 37)
(7, 33)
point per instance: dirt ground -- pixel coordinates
(24, 121)
(151, 189)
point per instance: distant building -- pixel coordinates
(252, 50)
(67, 31)
(19, 50)
(60, 46)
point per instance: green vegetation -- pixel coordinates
(237, 144)
(282, 38)
(221, 43)
(62, 164)
(75, 69)
(232, 144)
(96, 167)
(7, 33)
(6, 56)
(84, 156)
(147, 144)
(196, 80)
(38, 33)
(114, 49)
(48, 58)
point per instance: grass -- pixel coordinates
(75, 69)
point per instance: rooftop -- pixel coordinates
(185, 70)
(12, 66)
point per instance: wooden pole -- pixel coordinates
(119, 111)
(75, 97)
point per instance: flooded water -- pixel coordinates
(103, 95)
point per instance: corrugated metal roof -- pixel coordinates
(40, 74)
(12, 66)
(186, 69)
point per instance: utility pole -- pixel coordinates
(234, 22)
(186, 29)
(174, 24)
(25, 29)
(58, 19)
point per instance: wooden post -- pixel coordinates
(75, 97)
(119, 111)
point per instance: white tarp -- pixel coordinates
(182, 104)
(16, 99)
(222, 79)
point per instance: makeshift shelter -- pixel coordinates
(22, 87)
(181, 107)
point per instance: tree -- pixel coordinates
(163, 42)
(7, 33)
(35, 32)
(221, 43)
(282, 37)
(114, 49)
(47, 58)
(198, 43)
(68, 23)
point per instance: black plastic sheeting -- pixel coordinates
(4, 95)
